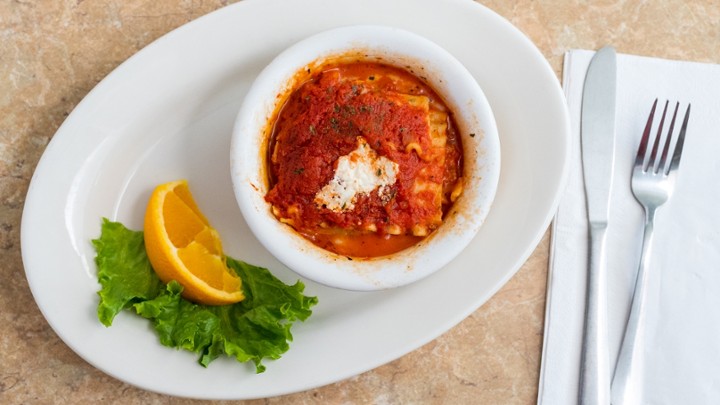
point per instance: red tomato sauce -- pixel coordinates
(321, 121)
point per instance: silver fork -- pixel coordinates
(653, 181)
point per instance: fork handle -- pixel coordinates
(595, 369)
(625, 385)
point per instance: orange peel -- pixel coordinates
(182, 246)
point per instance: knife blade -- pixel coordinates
(598, 158)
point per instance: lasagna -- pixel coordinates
(364, 159)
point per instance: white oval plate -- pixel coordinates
(167, 113)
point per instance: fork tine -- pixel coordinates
(664, 165)
(640, 157)
(651, 166)
(680, 142)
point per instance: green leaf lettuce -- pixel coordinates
(256, 328)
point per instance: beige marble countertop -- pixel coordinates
(48, 63)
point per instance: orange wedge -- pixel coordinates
(182, 246)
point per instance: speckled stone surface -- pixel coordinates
(52, 53)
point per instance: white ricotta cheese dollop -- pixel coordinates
(359, 172)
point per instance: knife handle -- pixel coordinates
(594, 365)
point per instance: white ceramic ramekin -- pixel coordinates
(450, 80)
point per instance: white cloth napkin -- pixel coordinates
(682, 356)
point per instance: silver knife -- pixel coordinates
(598, 158)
